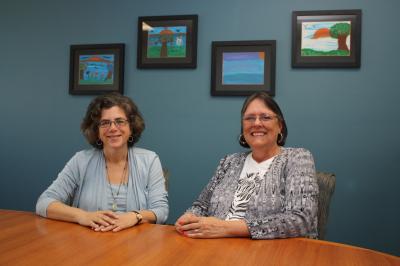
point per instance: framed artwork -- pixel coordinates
(167, 42)
(240, 68)
(326, 38)
(96, 68)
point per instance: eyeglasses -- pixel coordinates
(119, 122)
(264, 118)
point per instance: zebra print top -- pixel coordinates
(284, 204)
(250, 177)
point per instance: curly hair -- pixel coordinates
(90, 122)
(271, 104)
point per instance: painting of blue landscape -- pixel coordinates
(243, 68)
(96, 69)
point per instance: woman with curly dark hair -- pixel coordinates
(115, 185)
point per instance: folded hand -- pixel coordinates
(97, 219)
(200, 227)
(124, 220)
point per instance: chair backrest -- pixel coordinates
(326, 184)
(166, 176)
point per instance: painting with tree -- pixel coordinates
(330, 38)
(167, 42)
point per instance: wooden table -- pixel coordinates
(26, 239)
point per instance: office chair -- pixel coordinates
(326, 184)
(166, 176)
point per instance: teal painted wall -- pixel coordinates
(348, 118)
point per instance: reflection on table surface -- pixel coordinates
(26, 239)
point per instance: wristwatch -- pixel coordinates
(139, 217)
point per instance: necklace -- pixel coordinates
(114, 204)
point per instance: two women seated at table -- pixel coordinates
(268, 192)
(114, 185)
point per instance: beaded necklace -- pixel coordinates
(114, 204)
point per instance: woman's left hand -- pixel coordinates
(125, 220)
(204, 227)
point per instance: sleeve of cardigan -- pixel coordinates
(62, 189)
(299, 213)
(158, 196)
(201, 205)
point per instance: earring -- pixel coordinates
(242, 140)
(130, 139)
(99, 142)
(280, 138)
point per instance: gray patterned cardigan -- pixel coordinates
(284, 204)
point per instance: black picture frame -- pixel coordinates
(240, 68)
(313, 34)
(167, 41)
(96, 68)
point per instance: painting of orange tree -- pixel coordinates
(166, 42)
(326, 38)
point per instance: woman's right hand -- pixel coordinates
(97, 219)
(186, 218)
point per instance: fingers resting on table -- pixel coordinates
(104, 221)
(194, 226)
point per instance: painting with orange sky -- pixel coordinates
(319, 39)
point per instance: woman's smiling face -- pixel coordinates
(114, 137)
(261, 126)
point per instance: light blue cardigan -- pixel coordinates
(82, 184)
